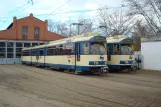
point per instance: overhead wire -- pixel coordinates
(77, 11)
(58, 8)
(22, 7)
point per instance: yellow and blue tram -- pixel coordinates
(120, 53)
(84, 53)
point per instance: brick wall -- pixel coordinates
(15, 31)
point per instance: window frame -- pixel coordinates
(36, 32)
(24, 32)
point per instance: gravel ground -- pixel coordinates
(26, 86)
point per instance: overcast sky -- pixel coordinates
(41, 9)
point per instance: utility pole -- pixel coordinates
(78, 24)
(105, 29)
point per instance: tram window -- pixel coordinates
(41, 52)
(62, 50)
(54, 50)
(69, 49)
(26, 53)
(85, 48)
(41, 43)
(49, 51)
(57, 51)
(116, 49)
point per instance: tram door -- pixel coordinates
(37, 55)
(109, 51)
(77, 55)
(31, 56)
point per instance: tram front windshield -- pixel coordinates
(98, 48)
(126, 49)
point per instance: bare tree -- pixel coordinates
(64, 28)
(68, 29)
(114, 23)
(86, 25)
(52, 26)
(150, 10)
(31, 1)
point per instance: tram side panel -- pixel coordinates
(61, 56)
(26, 57)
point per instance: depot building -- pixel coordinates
(25, 32)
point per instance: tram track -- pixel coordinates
(59, 78)
(85, 94)
(104, 78)
(31, 72)
(64, 88)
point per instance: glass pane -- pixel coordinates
(9, 49)
(2, 44)
(18, 55)
(42, 43)
(69, 49)
(9, 44)
(9, 55)
(24, 32)
(26, 44)
(18, 49)
(34, 44)
(26, 53)
(18, 44)
(85, 48)
(2, 55)
(2, 50)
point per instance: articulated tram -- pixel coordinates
(120, 53)
(84, 53)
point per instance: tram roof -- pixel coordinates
(83, 37)
(119, 39)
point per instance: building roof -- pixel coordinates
(151, 39)
(10, 26)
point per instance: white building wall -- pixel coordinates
(151, 55)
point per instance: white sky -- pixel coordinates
(10, 8)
